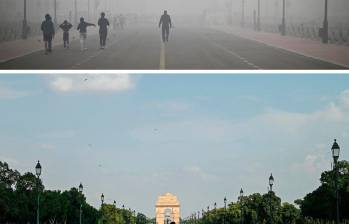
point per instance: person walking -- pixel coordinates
(166, 24)
(66, 26)
(103, 24)
(48, 32)
(82, 27)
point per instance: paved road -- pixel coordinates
(141, 48)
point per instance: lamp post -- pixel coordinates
(114, 203)
(75, 12)
(102, 202)
(24, 24)
(242, 13)
(203, 216)
(241, 195)
(38, 173)
(225, 209)
(283, 22)
(335, 154)
(230, 12)
(55, 11)
(271, 182)
(129, 215)
(259, 16)
(88, 9)
(80, 191)
(324, 33)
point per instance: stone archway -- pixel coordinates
(167, 209)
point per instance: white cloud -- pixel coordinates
(344, 98)
(9, 93)
(92, 82)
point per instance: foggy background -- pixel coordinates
(182, 11)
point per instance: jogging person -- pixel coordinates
(65, 26)
(103, 24)
(82, 27)
(48, 32)
(165, 22)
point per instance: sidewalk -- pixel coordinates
(336, 54)
(18, 48)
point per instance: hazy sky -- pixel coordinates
(297, 11)
(199, 137)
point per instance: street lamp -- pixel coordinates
(271, 182)
(114, 203)
(324, 30)
(55, 11)
(80, 191)
(335, 154)
(75, 12)
(129, 215)
(259, 16)
(242, 13)
(24, 24)
(283, 24)
(225, 209)
(241, 195)
(102, 201)
(38, 173)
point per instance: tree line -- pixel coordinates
(318, 206)
(19, 195)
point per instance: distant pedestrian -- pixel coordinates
(165, 23)
(103, 24)
(48, 32)
(82, 27)
(66, 26)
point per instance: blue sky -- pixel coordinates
(201, 137)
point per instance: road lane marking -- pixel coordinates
(232, 53)
(75, 66)
(162, 56)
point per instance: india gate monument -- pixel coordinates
(167, 209)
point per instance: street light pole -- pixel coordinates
(80, 191)
(38, 173)
(283, 26)
(102, 200)
(55, 11)
(225, 209)
(24, 24)
(88, 9)
(114, 209)
(271, 182)
(324, 33)
(335, 154)
(241, 195)
(259, 16)
(242, 13)
(75, 12)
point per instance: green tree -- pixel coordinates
(320, 204)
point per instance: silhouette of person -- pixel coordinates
(65, 26)
(82, 27)
(48, 32)
(103, 24)
(165, 22)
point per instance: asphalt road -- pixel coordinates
(141, 48)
